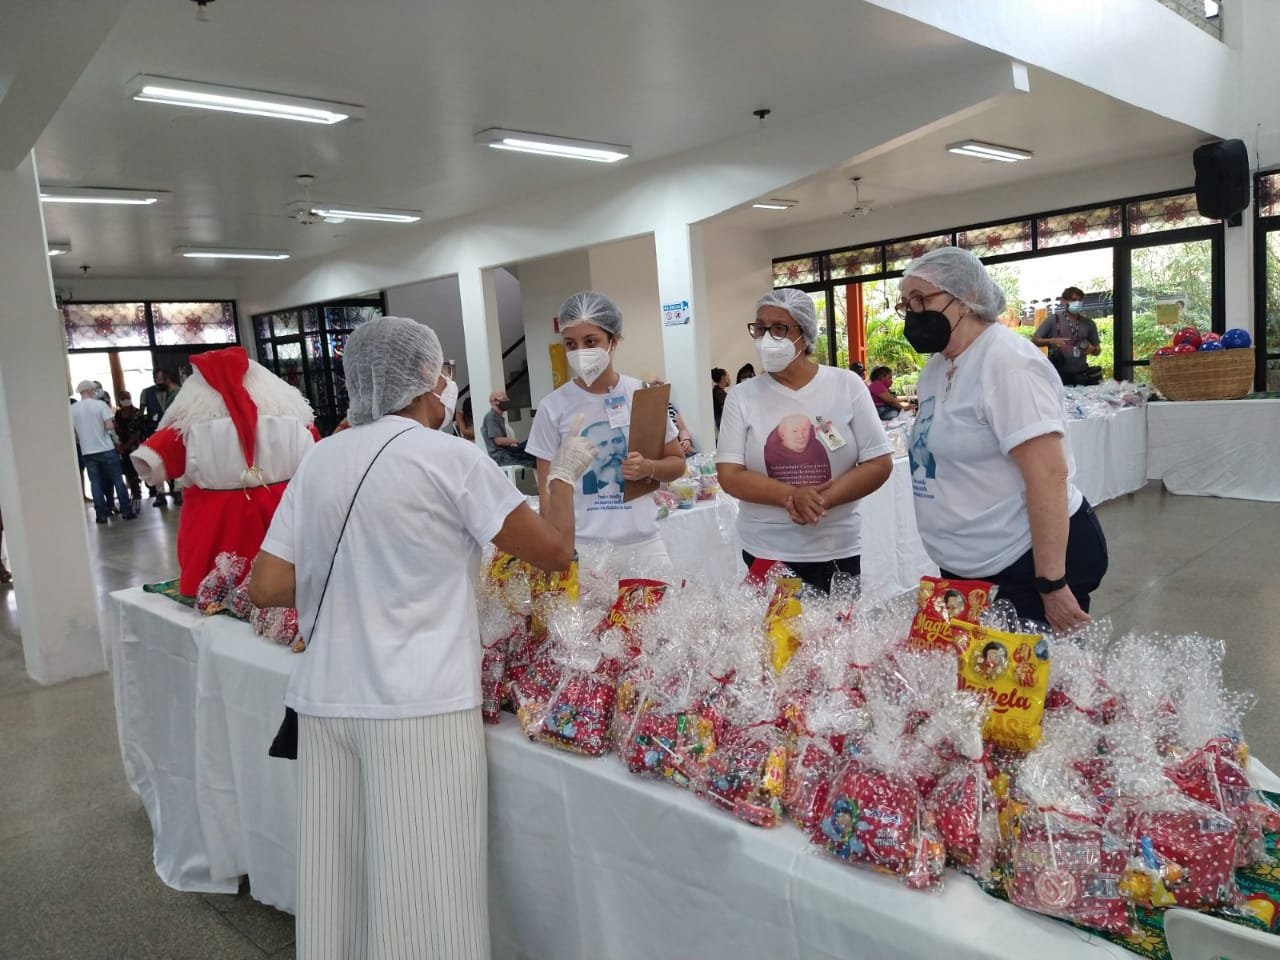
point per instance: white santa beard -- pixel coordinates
(197, 402)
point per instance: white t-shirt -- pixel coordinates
(970, 497)
(398, 634)
(91, 418)
(598, 510)
(777, 431)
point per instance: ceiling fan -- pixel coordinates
(859, 209)
(305, 215)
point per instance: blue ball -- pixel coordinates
(1236, 338)
(1211, 345)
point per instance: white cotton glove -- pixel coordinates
(572, 460)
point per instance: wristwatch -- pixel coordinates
(1045, 585)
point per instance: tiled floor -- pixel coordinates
(76, 878)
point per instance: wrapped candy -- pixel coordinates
(499, 629)
(1012, 671)
(217, 584)
(780, 619)
(963, 805)
(942, 601)
(279, 625)
(238, 603)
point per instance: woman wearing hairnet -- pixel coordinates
(596, 404)
(991, 468)
(366, 543)
(800, 445)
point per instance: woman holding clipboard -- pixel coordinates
(597, 404)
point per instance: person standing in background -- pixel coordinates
(746, 372)
(127, 436)
(93, 423)
(5, 575)
(1072, 338)
(719, 390)
(155, 401)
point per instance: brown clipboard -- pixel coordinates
(647, 434)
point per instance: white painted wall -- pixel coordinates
(627, 271)
(438, 304)
(544, 283)
(738, 273)
(146, 288)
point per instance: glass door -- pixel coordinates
(1171, 285)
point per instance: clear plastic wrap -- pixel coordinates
(238, 603)
(279, 625)
(499, 630)
(218, 583)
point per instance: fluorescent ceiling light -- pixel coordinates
(255, 103)
(338, 214)
(774, 204)
(103, 195)
(551, 146)
(58, 249)
(988, 151)
(230, 253)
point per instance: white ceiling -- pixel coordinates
(663, 76)
(1066, 125)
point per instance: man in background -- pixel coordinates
(155, 401)
(94, 423)
(128, 420)
(504, 448)
(1072, 338)
(719, 390)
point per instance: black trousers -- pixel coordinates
(1086, 566)
(817, 574)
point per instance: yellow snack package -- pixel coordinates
(1011, 670)
(549, 589)
(780, 620)
(508, 579)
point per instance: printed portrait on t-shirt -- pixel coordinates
(922, 464)
(605, 475)
(794, 454)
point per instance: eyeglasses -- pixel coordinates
(916, 302)
(779, 331)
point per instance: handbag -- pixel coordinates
(284, 746)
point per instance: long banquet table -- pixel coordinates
(586, 861)
(1110, 454)
(1216, 448)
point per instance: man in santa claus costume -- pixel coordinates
(232, 437)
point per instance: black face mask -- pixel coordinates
(928, 331)
(504, 405)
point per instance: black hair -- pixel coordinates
(858, 368)
(994, 646)
(1072, 292)
(718, 374)
(746, 372)
(878, 372)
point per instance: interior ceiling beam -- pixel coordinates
(45, 46)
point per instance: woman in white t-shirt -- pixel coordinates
(800, 445)
(391, 762)
(596, 404)
(991, 468)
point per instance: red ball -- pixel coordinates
(1164, 352)
(1187, 335)
(1186, 347)
(1211, 337)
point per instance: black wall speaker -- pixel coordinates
(1222, 178)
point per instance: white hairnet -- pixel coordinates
(591, 307)
(800, 305)
(962, 275)
(389, 362)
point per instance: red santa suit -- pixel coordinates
(232, 438)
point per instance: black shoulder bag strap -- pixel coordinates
(285, 744)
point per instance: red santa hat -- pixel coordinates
(225, 370)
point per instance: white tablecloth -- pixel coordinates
(1110, 454)
(1216, 448)
(704, 540)
(586, 861)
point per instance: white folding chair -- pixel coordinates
(1198, 936)
(514, 472)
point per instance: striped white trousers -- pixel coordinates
(392, 838)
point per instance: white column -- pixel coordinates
(44, 519)
(686, 345)
(483, 338)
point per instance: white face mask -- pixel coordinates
(588, 363)
(775, 354)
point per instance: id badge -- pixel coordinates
(828, 434)
(618, 411)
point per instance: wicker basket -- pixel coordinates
(1207, 375)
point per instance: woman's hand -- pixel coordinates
(1063, 611)
(636, 467)
(806, 505)
(686, 445)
